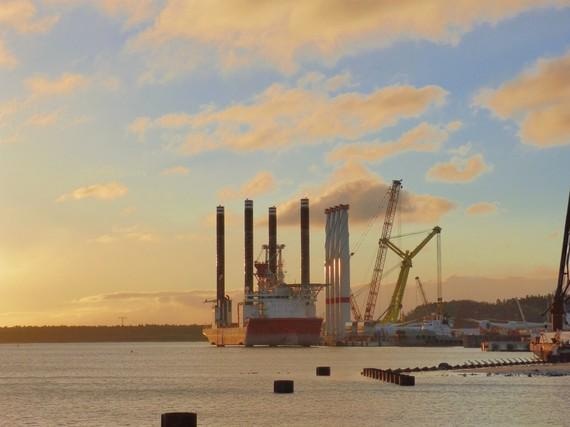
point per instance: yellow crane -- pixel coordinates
(392, 313)
(422, 292)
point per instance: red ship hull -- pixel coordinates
(291, 331)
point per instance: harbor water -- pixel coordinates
(131, 384)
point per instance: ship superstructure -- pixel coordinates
(272, 312)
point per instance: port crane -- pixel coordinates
(392, 313)
(374, 287)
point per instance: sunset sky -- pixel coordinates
(124, 123)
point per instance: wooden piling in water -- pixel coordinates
(283, 386)
(389, 376)
(179, 419)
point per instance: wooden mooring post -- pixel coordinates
(389, 376)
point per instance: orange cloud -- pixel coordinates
(10, 107)
(422, 138)
(547, 127)
(282, 33)
(263, 182)
(134, 233)
(7, 59)
(363, 191)
(459, 169)
(135, 11)
(21, 15)
(151, 307)
(64, 85)
(176, 170)
(139, 126)
(281, 116)
(315, 80)
(44, 119)
(110, 191)
(481, 208)
(539, 99)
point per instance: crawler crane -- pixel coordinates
(392, 313)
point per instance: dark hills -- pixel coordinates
(533, 307)
(61, 334)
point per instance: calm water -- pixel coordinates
(131, 384)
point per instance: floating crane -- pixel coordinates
(392, 313)
(422, 292)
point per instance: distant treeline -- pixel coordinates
(53, 334)
(533, 307)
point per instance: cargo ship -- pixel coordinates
(274, 313)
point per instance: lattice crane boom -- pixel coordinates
(560, 295)
(356, 315)
(422, 292)
(394, 193)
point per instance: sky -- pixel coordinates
(124, 123)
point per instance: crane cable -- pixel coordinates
(369, 226)
(413, 233)
(439, 290)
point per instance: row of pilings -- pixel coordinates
(389, 376)
(400, 376)
(470, 364)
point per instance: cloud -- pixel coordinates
(157, 307)
(110, 191)
(111, 83)
(8, 108)
(547, 127)
(145, 307)
(318, 81)
(21, 15)
(355, 185)
(7, 59)
(482, 208)
(462, 150)
(135, 11)
(176, 170)
(424, 137)
(282, 116)
(281, 34)
(44, 119)
(139, 126)
(459, 169)
(128, 211)
(14, 138)
(104, 239)
(133, 233)
(262, 183)
(64, 85)
(538, 99)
